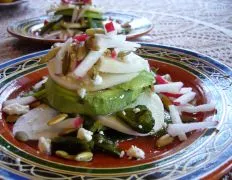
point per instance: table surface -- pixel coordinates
(204, 26)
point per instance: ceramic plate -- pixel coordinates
(26, 29)
(206, 153)
(14, 3)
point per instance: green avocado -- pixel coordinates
(95, 103)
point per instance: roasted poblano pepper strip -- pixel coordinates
(140, 121)
(92, 124)
(50, 24)
(71, 145)
(106, 145)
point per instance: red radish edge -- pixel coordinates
(160, 80)
(172, 95)
(78, 122)
(109, 27)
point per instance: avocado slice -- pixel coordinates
(97, 102)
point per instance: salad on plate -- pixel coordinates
(70, 18)
(98, 93)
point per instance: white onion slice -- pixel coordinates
(178, 129)
(34, 124)
(177, 120)
(20, 100)
(196, 109)
(75, 14)
(118, 125)
(88, 62)
(168, 88)
(115, 42)
(110, 65)
(110, 80)
(185, 98)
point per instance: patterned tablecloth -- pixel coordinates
(204, 26)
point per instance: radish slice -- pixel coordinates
(178, 129)
(185, 90)
(109, 65)
(160, 80)
(196, 109)
(60, 55)
(118, 125)
(33, 124)
(168, 88)
(87, 63)
(177, 120)
(172, 95)
(21, 100)
(185, 98)
(155, 105)
(39, 84)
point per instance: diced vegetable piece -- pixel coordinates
(168, 88)
(196, 109)
(140, 121)
(12, 118)
(93, 15)
(16, 109)
(21, 100)
(177, 129)
(106, 145)
(166, 102)
(185, 98)
(80, 37)
(88, 62)
(177, 120)
(109, 27)
(71, 145)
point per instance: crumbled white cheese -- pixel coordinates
(101, 132)
(135, 152)
(98, 80)
(44, 145)
(140, 126)
(84, 134)
(122, 96)
(82, 93)
(124, 113)
(136, 110)
(16, 108)
(122, 153)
